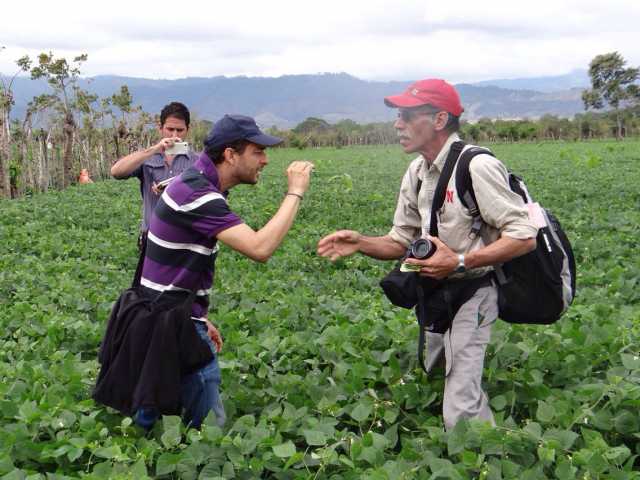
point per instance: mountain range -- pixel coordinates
(288, 100)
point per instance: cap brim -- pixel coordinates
(265, 140)
(403, 101)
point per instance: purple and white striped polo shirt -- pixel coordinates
(182, 245)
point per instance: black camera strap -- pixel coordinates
(421, 314)
(142, 242)
(441, 187)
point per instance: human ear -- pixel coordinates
(441, 120)
(228, 155)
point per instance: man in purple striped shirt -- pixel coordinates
(191, 216)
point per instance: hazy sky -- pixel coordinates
(460, 40)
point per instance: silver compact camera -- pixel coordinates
(179, 148)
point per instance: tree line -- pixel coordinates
(614, 87)
(316, 132)
(65, 130)
(70, 129)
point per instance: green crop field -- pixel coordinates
(320, 376)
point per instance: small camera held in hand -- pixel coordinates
(420, 249)
(178, 148)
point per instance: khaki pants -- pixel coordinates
(464, 346)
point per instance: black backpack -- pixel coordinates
(537, 287)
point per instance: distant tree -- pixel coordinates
(349, 132)
(35, 172)
(298, 142)
(470, 131)
(123, 101)
(63, 79)
(6, 103)
(550, 127)
(591, 125)
(87, 105)
(145, 131)
(527, 130)
(487, 129)
(312, 124)
(612, 85)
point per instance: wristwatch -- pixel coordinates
(461, 268)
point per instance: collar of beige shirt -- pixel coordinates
(438, 163)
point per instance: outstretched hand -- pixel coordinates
(339, 244)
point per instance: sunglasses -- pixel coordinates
(409, 114)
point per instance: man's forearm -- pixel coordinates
(381, 248)
(260, 245)
(126, 165)
(500, 251)
(272, 234)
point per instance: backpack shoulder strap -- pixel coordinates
(464, 186)
(443, 181)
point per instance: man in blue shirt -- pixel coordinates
(153, 165)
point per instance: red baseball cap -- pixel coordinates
(432, 91)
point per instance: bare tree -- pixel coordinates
(27, 174)
(6, 103)
(63, 79)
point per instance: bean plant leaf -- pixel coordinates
(362, 411)
(545, 412)
(315, 437)
(560, 439)
(631, 362)
(107, 452)
(167, 463)
(284, 450)
(626, 422)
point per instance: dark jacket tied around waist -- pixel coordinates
(147, 348)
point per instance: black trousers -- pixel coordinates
(142, 247)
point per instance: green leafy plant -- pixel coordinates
(320, 377)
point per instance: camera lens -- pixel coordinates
(422, 248)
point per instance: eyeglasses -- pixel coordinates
(409, 114)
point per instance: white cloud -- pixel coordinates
(545, 17)
(375, 39)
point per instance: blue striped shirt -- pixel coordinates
(155, 170)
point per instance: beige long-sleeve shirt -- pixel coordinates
(502, 210)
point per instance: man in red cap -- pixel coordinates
(428, 123)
